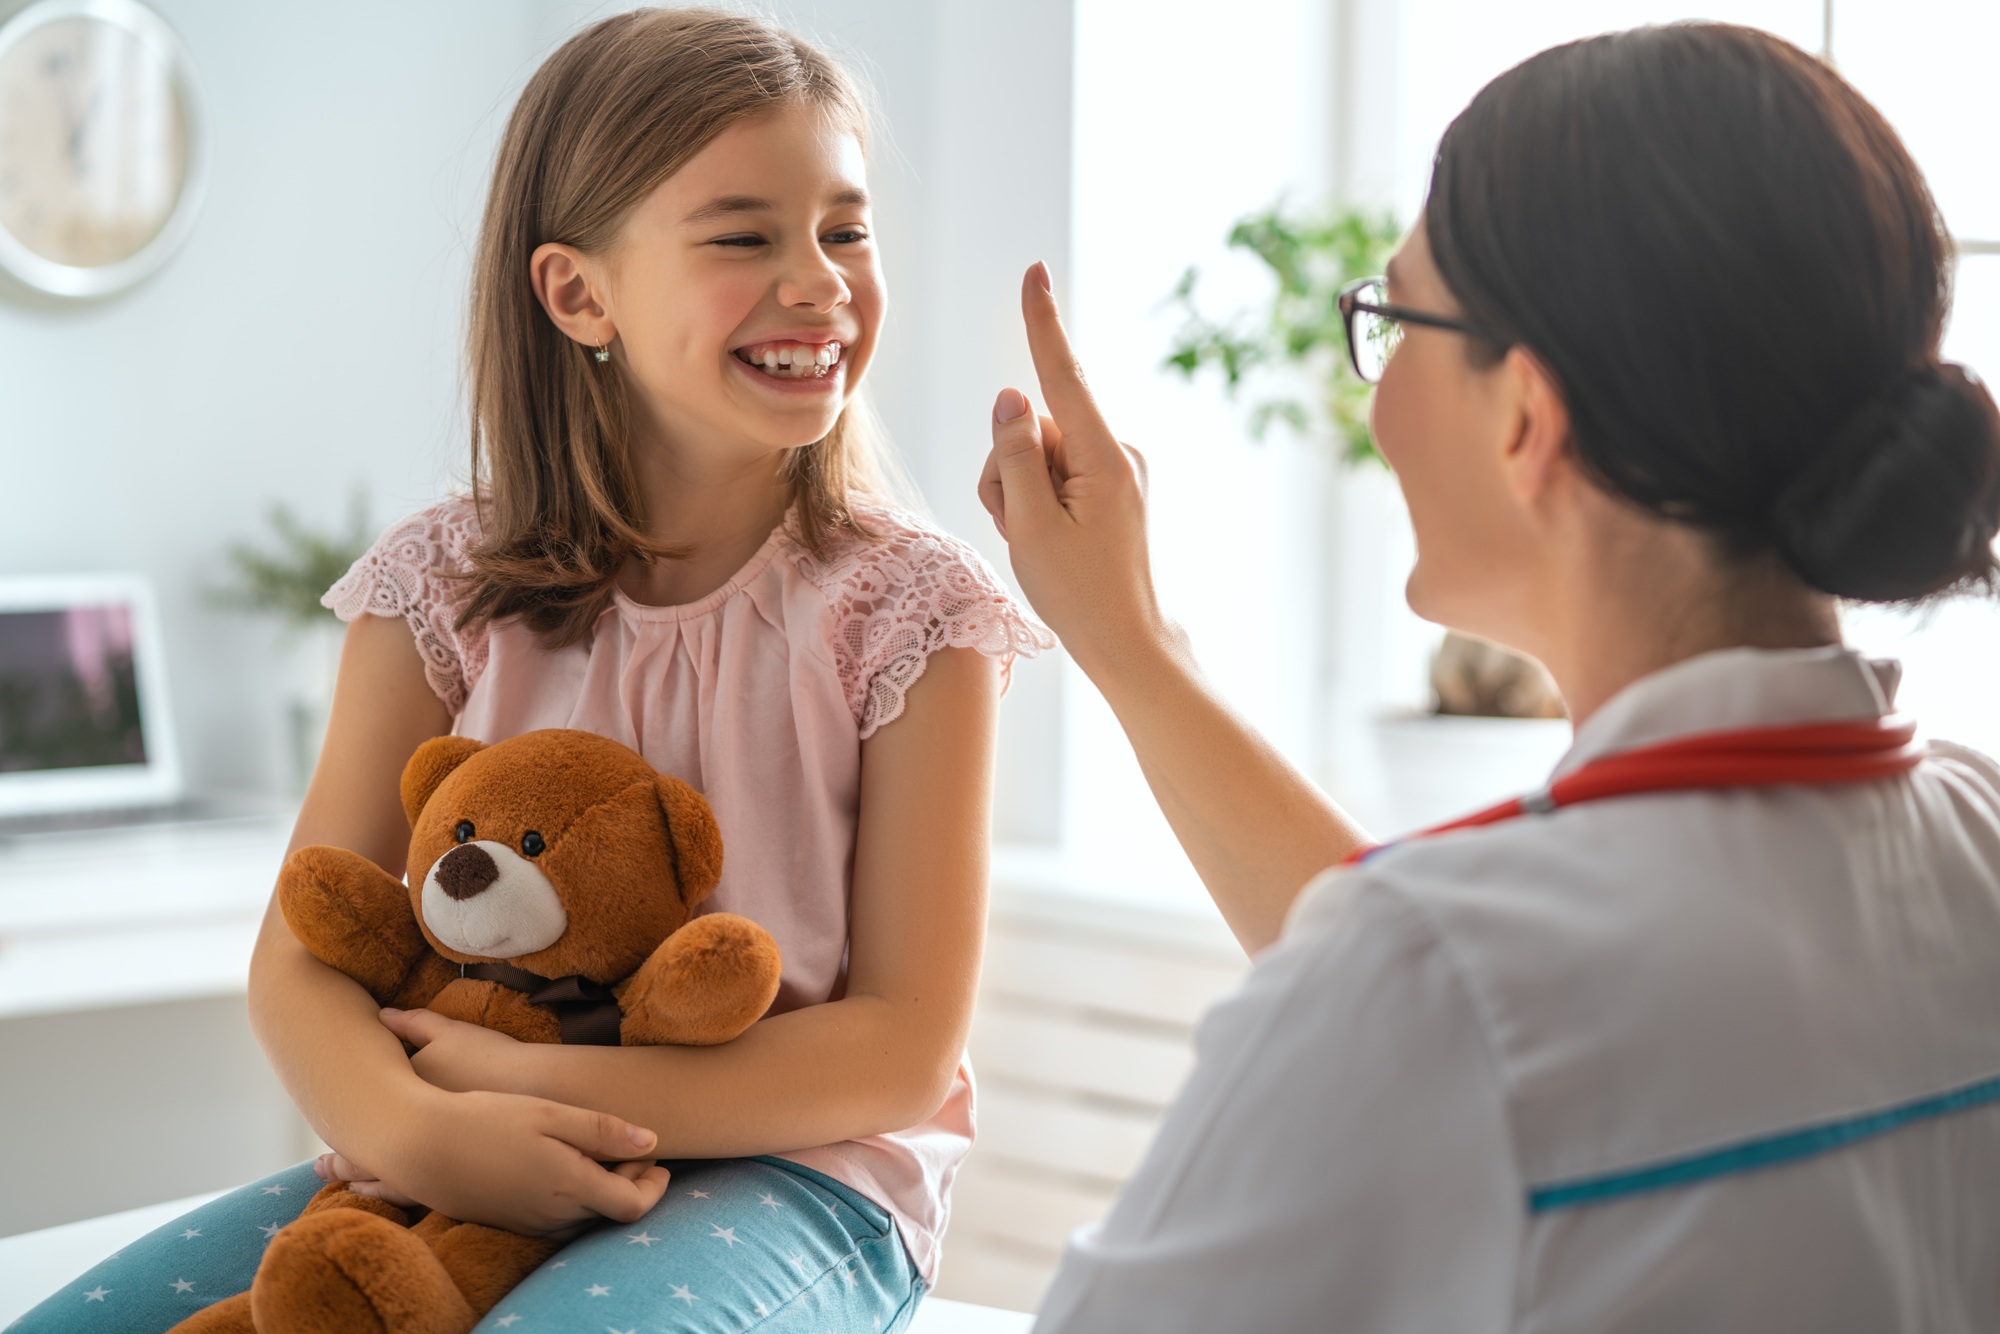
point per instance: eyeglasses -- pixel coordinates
(1375, 328)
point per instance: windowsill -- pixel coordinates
(1040, 882)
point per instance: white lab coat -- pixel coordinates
(1688, 981)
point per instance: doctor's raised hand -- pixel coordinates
(1070, 499)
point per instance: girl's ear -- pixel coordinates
(566, 283)
(431, 765)
(697, 841)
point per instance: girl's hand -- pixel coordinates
(456, 1056)
(524, 1164)
(337, 1166)
(1071, 501)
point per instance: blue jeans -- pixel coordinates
(737, 1244)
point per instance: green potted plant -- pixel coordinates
(1289, 357)
(282, 579)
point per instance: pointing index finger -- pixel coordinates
(1063, 387)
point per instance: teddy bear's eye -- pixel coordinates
(464, 831)
(531, 843)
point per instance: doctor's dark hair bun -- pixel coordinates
(1732, 266)
(1905, 498)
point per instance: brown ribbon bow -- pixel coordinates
(586, 1012)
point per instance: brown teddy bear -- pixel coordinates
(553, 880)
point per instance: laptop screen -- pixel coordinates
(69, 689)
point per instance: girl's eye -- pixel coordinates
(531, 844)
(741, 241)
(848, 237)
(464, 831)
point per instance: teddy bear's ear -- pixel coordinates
(430, 766)
(697, 840)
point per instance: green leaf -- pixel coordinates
(286, 577)
(1298, 330)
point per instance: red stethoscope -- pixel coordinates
(1809, 754)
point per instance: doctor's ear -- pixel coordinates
(1539, 453)
(570, 286)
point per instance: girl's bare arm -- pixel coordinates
(318, 1026)
(879, 1059)
(532, 1167)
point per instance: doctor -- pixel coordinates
(1707, 1035)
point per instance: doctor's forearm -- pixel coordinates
(1255, 828)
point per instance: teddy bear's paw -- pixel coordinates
(231, 1315)
(348, 1271)
(336, 1195)
(705, 984)
(353, 915)
(486, 1263)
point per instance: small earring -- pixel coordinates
(603, 353)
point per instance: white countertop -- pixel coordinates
(169, 912)
(133, 915)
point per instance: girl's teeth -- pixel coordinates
(798, 361)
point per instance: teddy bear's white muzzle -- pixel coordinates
(485, 898)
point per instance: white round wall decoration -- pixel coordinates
(101, 146)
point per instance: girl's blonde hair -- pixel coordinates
(619, 108)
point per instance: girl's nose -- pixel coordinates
(813, 283)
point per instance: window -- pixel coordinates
(1286, 569)
(1900, 55)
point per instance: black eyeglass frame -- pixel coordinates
(1350, 303)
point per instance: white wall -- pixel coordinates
(305, 341)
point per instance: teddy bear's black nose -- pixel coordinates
(466, 870)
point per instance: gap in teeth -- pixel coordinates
(797, 360)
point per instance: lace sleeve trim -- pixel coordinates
(899, 600)
(407, 574)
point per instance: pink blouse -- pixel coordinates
(759, 695)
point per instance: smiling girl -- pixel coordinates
(677, 537)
